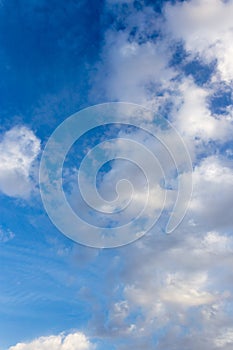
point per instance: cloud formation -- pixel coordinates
(177, 290)
(19, 148)
(205, 26)
(164, 292)
(73, 341)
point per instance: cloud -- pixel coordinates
(134, 65)
(212, 201)
(180, 285)
(224, 340)
(175, 288)
(19, 148)
(194, 118)
(173, 284)
(205, 26)
(73, 341)
(128, 81)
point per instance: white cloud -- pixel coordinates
(73, 341)
(206, 28)
(173, 282)
(19, 148)
(137, 69)
(186, 291)
(225, 339)
(171, 289)
(194, 118)
(131, 68)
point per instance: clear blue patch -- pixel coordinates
(220, 100)
(179, 54)
(200, 71)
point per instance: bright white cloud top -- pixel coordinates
(73, 341)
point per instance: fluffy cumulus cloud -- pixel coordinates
(205, 26)
(134, 65)
(73, 341)
(136, 61)
(173, 291)
(19, 148)
(194, 118)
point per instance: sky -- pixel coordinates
(167, 66)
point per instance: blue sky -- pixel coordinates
(162, 291)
